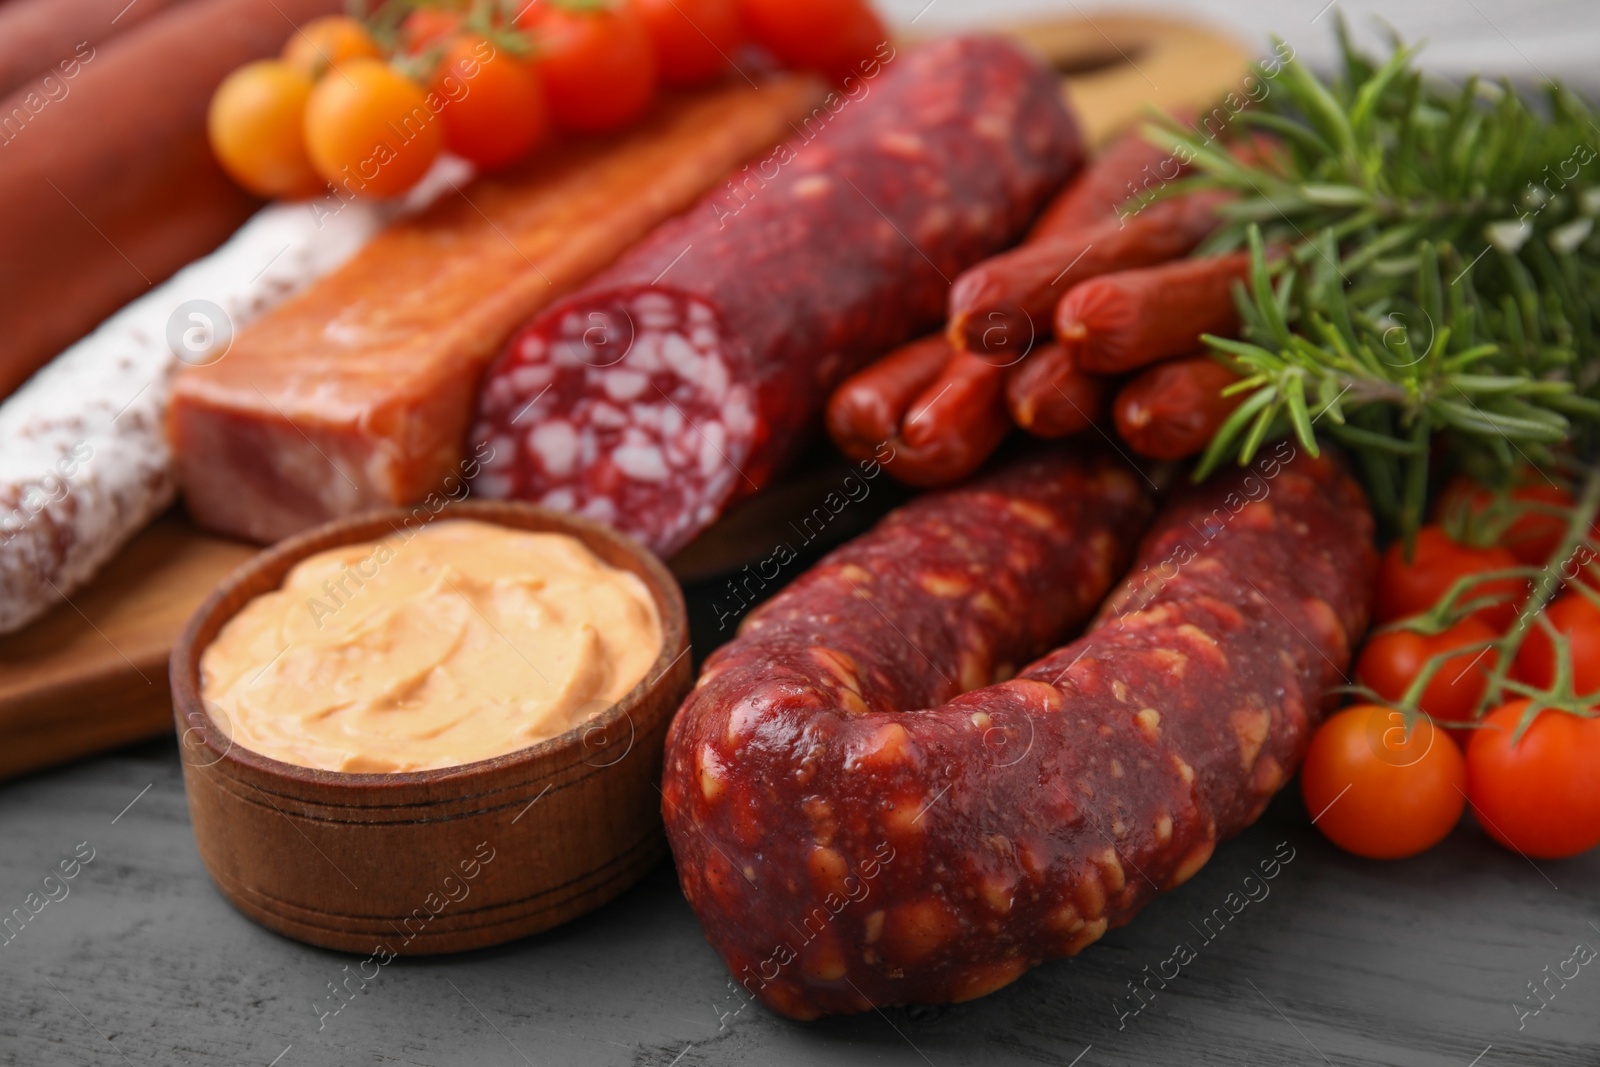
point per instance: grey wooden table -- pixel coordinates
(1332, 961)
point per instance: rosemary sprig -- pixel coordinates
(1439, 279)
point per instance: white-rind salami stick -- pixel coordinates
(84, 462)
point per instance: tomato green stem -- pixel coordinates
(1546, 586)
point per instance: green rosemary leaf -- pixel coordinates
(1436, 271)
(1299, 417)
(1222, 444)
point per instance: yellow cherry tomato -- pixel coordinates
(328, 42)
(257, 129)
(370, 129)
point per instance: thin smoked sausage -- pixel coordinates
(1003, 305)
(930, 442)
(1173, 410)
(1049, 396)
(869, 407)
(1130, 167)
(1127, 320)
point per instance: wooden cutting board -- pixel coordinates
(93, 674)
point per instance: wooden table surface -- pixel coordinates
(1526, 40)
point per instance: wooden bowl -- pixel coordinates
(440, 860)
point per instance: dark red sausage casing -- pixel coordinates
(51, 38)
(846, 852)
(687, 373)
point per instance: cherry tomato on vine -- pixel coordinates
(1411, 588)
(256, 123)
(371, 129)
(693, 39)
(493, 111)
(1379, 791)
(596, 64)
(1584, 564)
(1541, 795)
(1578, 620)
(428, 27)
(1392, 660)
(1532, 537)
(328, 42)
(831, 36)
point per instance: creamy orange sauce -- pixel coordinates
(455, 643)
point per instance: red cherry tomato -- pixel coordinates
(831, 36)
(1379, 791)
(1584, 564)
(429, 27)
(1411, 588)
(1532, 537)
(1575, 617)
(597, 65)
(693, 39)
(863, 44)
(1540, 796)
(493, 111)
(1392, 660)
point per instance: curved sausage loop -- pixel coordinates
(846, 853)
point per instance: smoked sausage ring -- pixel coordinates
(845, 853)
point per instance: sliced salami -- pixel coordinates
(686, 375)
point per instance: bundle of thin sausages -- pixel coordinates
(1097, 309)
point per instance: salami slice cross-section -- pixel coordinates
(687, 374)
(845, 851)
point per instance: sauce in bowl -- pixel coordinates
(455, 643)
